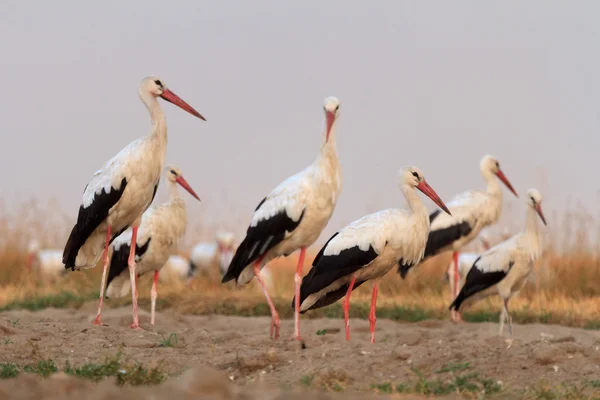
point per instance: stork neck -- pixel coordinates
(159, 122)
(329, 143)
(531, 223)
(415, 204)
(174, 194)
(493, 186)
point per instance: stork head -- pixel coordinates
(332, 112)
(225, 242)
(156, 87)
(173, 175)
(491, 164)
(413, 177)
(534, 199)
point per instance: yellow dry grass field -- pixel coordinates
(564, 289)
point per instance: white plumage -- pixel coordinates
(213, 256)
(292, 216)
(504, 268)
(369, 247)
(160, 231)
(47, 262)
(176, 268)
(123, 189)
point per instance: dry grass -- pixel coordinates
(565, 289)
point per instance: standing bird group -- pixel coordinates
(115, 210)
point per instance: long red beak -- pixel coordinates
(502, 177)
(186, 186)
(173, 98)
(429, 192)
(538, 208)
(330, 121)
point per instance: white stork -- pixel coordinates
(161, 229)
(370, 247)
(47, 262)
(176, 267)
(504, 268)
(122, 190)
(292, 217)
(471, 212)
(217, 255)
(465, 262)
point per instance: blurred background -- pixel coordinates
(432, 84)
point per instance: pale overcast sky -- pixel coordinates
(435, 84)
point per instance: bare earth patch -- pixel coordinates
(249, 362)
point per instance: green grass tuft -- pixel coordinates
(171, 341)
(8, 370)
(59, 300)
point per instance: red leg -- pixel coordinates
(274, 330)
(97, 321)
(372, 316)
(133, 278)
(153, 296)
(456, 283)
(298, 282)
(347, 307)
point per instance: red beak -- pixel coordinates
(538, 208)
(173, 98)
(429, 192)
(330, 121)
(502, 177)
(186, 186)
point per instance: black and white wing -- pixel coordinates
(488, 270)
(275, 219)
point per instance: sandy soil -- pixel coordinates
(240, 349)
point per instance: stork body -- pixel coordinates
(176, 268)
(122, 190)
(368, 248)
(292, 217)
(47, 262)
(505, 268)
(471, 212)
(207, 257)
(159, 234)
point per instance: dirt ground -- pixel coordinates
(247, 361)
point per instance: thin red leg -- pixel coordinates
(153, 296)
(298, 282)
(274, 330)
(98, 321)
(372, 316)
(133, 278)
(347, 307)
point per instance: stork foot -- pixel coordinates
(136, 327)
(275, 325)
(98, 321)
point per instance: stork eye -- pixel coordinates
(497, 164)
(173, 172)
(416, 175)
(337, 107)
(158, 83)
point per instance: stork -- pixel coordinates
(176, 267)
(161, 229)
(122, 190)
(46, 261)
(212, 256)
(370, 247)
(505, 268)
(471, 212)
(292, 217)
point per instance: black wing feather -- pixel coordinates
(328, 269)
(259, 240)
(88, 219)
(478, 281)
(120, 259)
